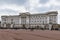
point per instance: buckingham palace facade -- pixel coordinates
(29, 20)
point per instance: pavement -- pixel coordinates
(21, 34)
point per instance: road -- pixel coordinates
(8, 34)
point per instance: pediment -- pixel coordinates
(25, 14)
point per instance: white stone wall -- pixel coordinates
(38, 19)
(53, 19)
(33, 20)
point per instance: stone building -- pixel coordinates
(29, 20)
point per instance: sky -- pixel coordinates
(14, 7)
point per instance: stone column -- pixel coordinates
(19, 20)
(11, 25)
(50, 26)
(4, 25)
(27, 21)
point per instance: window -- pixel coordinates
(37, 21)
(32, 21)
(4, 19)
(11, 20)
(46, 17)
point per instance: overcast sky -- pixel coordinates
(14, 7)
